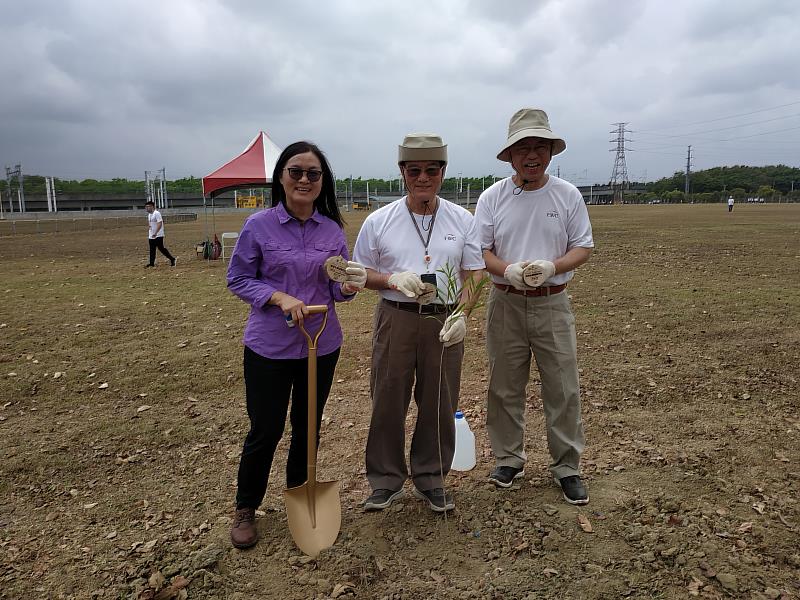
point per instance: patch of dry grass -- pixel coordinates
(688, 344)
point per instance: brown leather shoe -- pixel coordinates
(243, 531)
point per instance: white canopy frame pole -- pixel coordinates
(49, 196)
(164, 186)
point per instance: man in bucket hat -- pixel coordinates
(534, 231)
(405, 246)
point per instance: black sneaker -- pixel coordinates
(504, 476)
(438, 500)
(380, 499)
(174, 261)
(573, 489)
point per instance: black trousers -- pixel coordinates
(158, 243)
(269, 384)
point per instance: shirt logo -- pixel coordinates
(450, 237)
(553, 214)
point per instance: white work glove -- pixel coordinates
(356, 278)
(407, 282)
(513, 273)
(454, 330)
(537, 272)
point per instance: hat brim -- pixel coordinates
(559, 145)
(405, 154)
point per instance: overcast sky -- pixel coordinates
(111, 88)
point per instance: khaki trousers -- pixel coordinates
(516, 327)
(406, 354)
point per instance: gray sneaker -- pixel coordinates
(380, 499)
(504, 476)
(438, 500)
(573, 489)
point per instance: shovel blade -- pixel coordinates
(315, 515)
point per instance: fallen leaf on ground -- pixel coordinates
(583, 521)
(745, 527)
(694, 587)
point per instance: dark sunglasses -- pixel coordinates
(429, 171)
(296, 173)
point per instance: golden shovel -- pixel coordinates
(313, 509)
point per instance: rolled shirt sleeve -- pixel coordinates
(243, 270)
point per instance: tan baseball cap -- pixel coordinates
(422, 146)
(530, 122)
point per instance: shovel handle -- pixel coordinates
(311, 430)
(315, 309)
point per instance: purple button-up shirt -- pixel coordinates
(277, 253)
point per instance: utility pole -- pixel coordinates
(688, 172)
(619, 177)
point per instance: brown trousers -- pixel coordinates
(406, 354)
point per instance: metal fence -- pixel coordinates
(61, 225)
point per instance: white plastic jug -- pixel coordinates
(464, 457)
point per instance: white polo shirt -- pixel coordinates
(389, 243)
(153, 219)
(539, 225)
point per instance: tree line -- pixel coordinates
(705, 186)
(741, 182)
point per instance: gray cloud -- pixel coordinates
(97, 89)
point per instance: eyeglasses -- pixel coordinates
(415, 172)
(538, 147)
(296, 173)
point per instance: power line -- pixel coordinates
(722, 128)
(732, 139)
(744, 137)
(721, 118)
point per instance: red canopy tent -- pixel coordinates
(253, 167)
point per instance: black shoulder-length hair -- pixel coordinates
(326, 201)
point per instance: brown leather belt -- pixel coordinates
(539, 291)
(423, 309)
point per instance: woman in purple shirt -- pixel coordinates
(277, 268)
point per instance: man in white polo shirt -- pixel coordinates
(417, 348)
(534, 231)
(155, 234)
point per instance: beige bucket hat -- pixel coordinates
(422, 146)
(530, 122)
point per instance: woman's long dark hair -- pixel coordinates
(325, 203)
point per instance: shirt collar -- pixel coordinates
(284, 216)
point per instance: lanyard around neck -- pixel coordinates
(425, 242)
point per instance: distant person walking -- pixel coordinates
(730, 204)
(155, 235)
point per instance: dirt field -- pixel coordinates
(122, 418)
